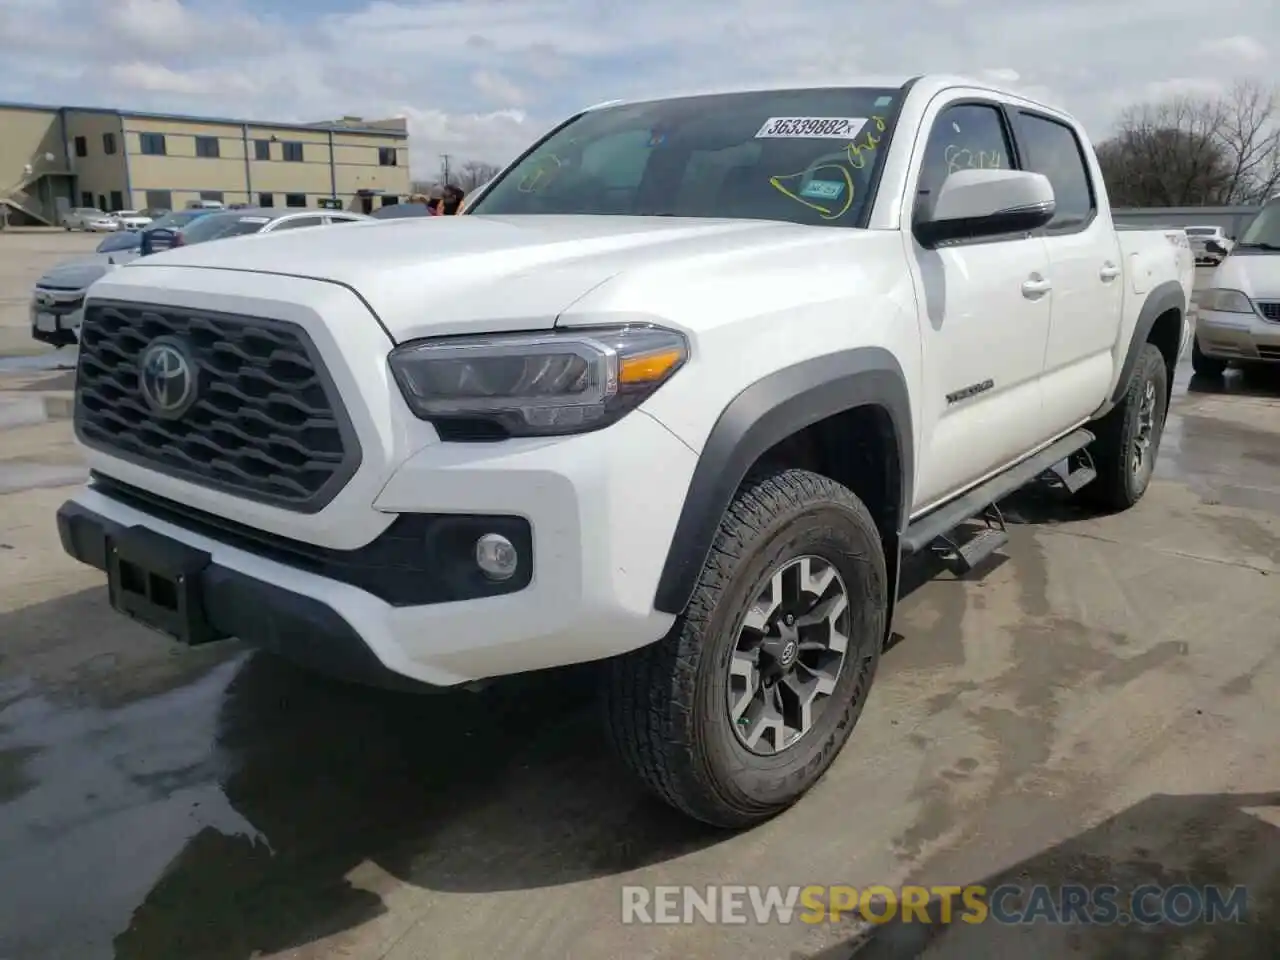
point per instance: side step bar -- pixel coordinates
(923, 532)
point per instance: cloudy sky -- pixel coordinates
(480, 78)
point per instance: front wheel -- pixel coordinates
(740, 709)
(1129, 436)
(1204, 365)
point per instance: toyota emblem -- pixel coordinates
(167, 378)
(789, 653)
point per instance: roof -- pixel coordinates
(933, 83)
(369, 127)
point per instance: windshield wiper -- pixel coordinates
(1257, 245)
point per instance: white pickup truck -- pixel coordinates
(678, 393)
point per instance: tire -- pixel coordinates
(667, 706)
(1122, 478)
(1203, 365)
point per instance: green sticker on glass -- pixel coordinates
(823, 190)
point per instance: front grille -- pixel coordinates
(265, 424)
(1270, 309)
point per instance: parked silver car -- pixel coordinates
(82, 218)
(57, 304)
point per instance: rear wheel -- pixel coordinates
(1129, 436)
(1203, 365)
(741, 708)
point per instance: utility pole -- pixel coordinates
(444, 160)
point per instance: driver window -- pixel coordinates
(964, 137)
(617, 162)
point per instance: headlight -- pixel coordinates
(538, 384)
(1224, 301)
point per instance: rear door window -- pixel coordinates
(1052, 148)
(297, 222)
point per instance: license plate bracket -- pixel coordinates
(156, 581)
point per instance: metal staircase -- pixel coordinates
(21, 199)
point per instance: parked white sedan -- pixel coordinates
(1200, 237)
(130, 219)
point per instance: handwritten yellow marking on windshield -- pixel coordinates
(866, 144)
(827, 213)
(856, 153)
(961, 158)
(541, 175)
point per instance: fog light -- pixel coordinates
(496, 556)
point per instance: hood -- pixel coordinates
(77, 275)
(1255, 273)
(438, 275)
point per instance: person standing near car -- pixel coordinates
(432, 203)
(451, 200)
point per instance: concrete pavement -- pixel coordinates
(1099, 705)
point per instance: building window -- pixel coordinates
(292, 151)
(262, 149)
(117, 200)
(153, 144)
(159, 200)
(266, 199)
(82, 147)
(215, 195)
(295, 199)
(207, 147)
(390, 200)
(108, 143)
(386, 156)
(86, 198)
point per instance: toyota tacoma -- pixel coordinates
(677, 394)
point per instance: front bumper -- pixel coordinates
(235, 604)
(601, 509)
(1238, 336)
(58, 323)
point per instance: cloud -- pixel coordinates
(479, 79)
(498, 88)
(154, 78)
(1236, 49)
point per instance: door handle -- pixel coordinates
(1035, 285)
(1109, 272)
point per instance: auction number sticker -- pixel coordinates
(812, 128)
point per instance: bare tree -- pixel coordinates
(1189, 151)
(467, 175)
(474, 173)
(1250, 136)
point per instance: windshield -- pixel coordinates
(1264, 231)
(91, 212)
(801, 156)
(1201, 231)
(176, 221)
(216, 226)
(119, 241)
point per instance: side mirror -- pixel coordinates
(986, 203)
(1214, 247)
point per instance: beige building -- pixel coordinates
(53, 158)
